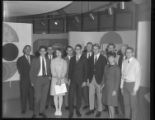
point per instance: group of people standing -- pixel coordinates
(97, 78)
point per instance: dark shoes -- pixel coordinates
(85, 107)
(34, 116)
(66, 108)
(70, 115)
(78, 113)
(43, 115)
(47, 107)
(98, 114)
(23, 112)
(90, 112)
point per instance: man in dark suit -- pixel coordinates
(26, 89)
(40, 79)
(50, 101)
(69, 52)
(85, 90)
(98, 63)
(77, 76)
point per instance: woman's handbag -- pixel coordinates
(60, 89)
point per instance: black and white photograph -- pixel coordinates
(76, 59)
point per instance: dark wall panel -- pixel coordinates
(123, 21)
(40, 26)
(89, 24)
(106, 22)
(74, 23)
(56, 28)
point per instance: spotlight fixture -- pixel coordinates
(110, 11)
(77, 19)
(92, 16)
(56, 23)
(42, 23)
(122, 5)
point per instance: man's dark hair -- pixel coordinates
(89, 43)
(96, 45)
(25, 48)
(78, 45)
(69, 47)
(130, 48)
(43, 47)
(50, 46)
(111, 44)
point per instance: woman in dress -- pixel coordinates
(111, 81)
(58, 70)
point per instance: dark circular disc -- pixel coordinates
(10, 52)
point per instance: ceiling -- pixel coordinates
(23, 8)
(27, 8)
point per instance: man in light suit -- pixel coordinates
(85, 90)
(98, 63)
(69, 52)
(130, 83)
(26, 89)
(40, 79)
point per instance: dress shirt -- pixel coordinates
(131, 72)
(28, 58)
(96, 56)
(78, 57)
(50, 57)
(40, 72)
(89, 54)
(69, 57)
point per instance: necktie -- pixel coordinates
(77, 58)
(28, 58)
(95, 59)
(43, 67)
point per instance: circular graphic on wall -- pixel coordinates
(9, 69)
(111, 37)
(10, 52)
(9, 34)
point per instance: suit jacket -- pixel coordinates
(88, 64)
(35, 67)
(97, 69)
(50, 64)
(23, 67)
(68, 61)
(78, 70)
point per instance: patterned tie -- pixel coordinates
(43, 67)
(77, 58)
(28, 58)
(95, 59)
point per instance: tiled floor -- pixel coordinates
(11, 109)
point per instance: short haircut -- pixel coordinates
(26, 47)
(111, 44)
(130, 48)
(89, 43)
(96, 45)
(109, 54)
(78, 45)
(69, 47)
(50, 46)
(43, 47)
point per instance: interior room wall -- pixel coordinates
(10, 87)
(128, 37)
